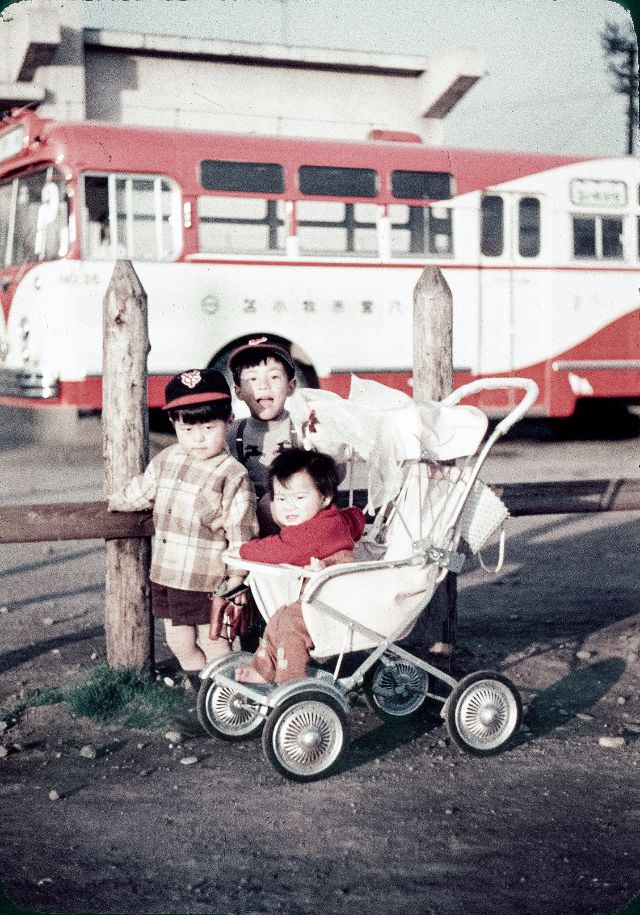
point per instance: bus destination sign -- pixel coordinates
(11, 143)
(590, 192)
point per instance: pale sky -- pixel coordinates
(547, 88)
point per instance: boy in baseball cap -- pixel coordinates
(203, 504)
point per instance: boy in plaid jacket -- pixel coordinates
(203, 504)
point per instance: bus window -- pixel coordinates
(329, 181)
(529, 227)
(612, 238)
(408, 185)
(598, 237)
(420, 230)
(37, 225)
(245, 177)
(325, 227)
(130, 216)
(240, 225)
(492, 226)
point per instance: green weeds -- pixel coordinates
(123, 695)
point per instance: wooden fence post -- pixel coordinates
(433, 380)
(125, 449)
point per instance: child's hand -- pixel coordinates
(236, 581)
(239, 600)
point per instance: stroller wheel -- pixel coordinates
(305, 736)
(222, 711)
(483, 712)
(396, 689)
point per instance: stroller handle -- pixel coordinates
(495, 384)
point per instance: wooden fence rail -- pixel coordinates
(92, 521)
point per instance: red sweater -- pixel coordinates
(329, 531)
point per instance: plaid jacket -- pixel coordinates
(200, 509)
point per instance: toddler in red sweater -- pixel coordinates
(302, 486)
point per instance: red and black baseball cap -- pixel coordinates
(261, 348)
(195, 386)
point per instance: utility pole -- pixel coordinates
(621, 51)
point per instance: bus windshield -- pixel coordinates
(34, 221)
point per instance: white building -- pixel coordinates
(73, 73)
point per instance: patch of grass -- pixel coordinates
(127, 695)
(46, 697)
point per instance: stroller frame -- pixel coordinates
(305, 723)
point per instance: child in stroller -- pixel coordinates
(426, 508)
(302, 486)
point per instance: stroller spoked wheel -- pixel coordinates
(225, 713)
(396, 689)
(483, 712)
(305, 737)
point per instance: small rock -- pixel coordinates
(3, 726)
(58, 755)
(94, 656)
(55, 651)
(54, 795)
(4, 752)
(141, 746)
(173, 736)
(189, 760)
(583, 716)
(514, 616)
(442, 648)
(88, 752)
(621, 700)
(17, 748)
(4, 609)
(47, 621)
(168, 681)
(584, 655)
(633, 727)
(612, 743)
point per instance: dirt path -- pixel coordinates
(409, 823)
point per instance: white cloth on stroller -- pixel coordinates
(384, 427)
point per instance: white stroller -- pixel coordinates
(428, 510)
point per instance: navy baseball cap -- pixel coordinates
(195, 386)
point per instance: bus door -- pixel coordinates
(515, 296)
(494, 286)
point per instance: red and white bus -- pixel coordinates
(319, 243)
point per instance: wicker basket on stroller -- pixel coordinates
(429, 512)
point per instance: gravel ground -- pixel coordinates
(409, 822)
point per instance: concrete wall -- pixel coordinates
(43, 59)
(237, 97)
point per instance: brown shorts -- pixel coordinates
(183, 608)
